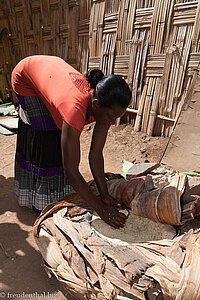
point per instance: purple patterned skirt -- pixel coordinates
(39, 173)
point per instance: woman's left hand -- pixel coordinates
(112, 216)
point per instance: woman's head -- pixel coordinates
(111, 94)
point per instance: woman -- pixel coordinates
(56, 101)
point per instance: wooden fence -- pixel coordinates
(52, 27)
(153, 44)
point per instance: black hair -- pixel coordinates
(93, 77)
(109, 90)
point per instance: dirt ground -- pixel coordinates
(20, 261)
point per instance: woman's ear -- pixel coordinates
(95, 104)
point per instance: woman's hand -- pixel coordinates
(108, 200)
(112, 216)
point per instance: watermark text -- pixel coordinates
(8, 295)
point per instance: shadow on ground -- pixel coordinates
(20, 261)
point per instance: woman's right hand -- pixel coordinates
(112, 216)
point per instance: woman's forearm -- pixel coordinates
(70, 144)
(81, 187)
(97, 168)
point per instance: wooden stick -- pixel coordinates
(141, 107)
(148, 102)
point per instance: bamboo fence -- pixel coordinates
(154, 45)
(52, 27)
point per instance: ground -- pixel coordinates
(20, 261)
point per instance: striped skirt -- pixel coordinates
(39, 173)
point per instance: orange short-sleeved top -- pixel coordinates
(65, 92)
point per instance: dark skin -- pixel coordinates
(106, 207)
